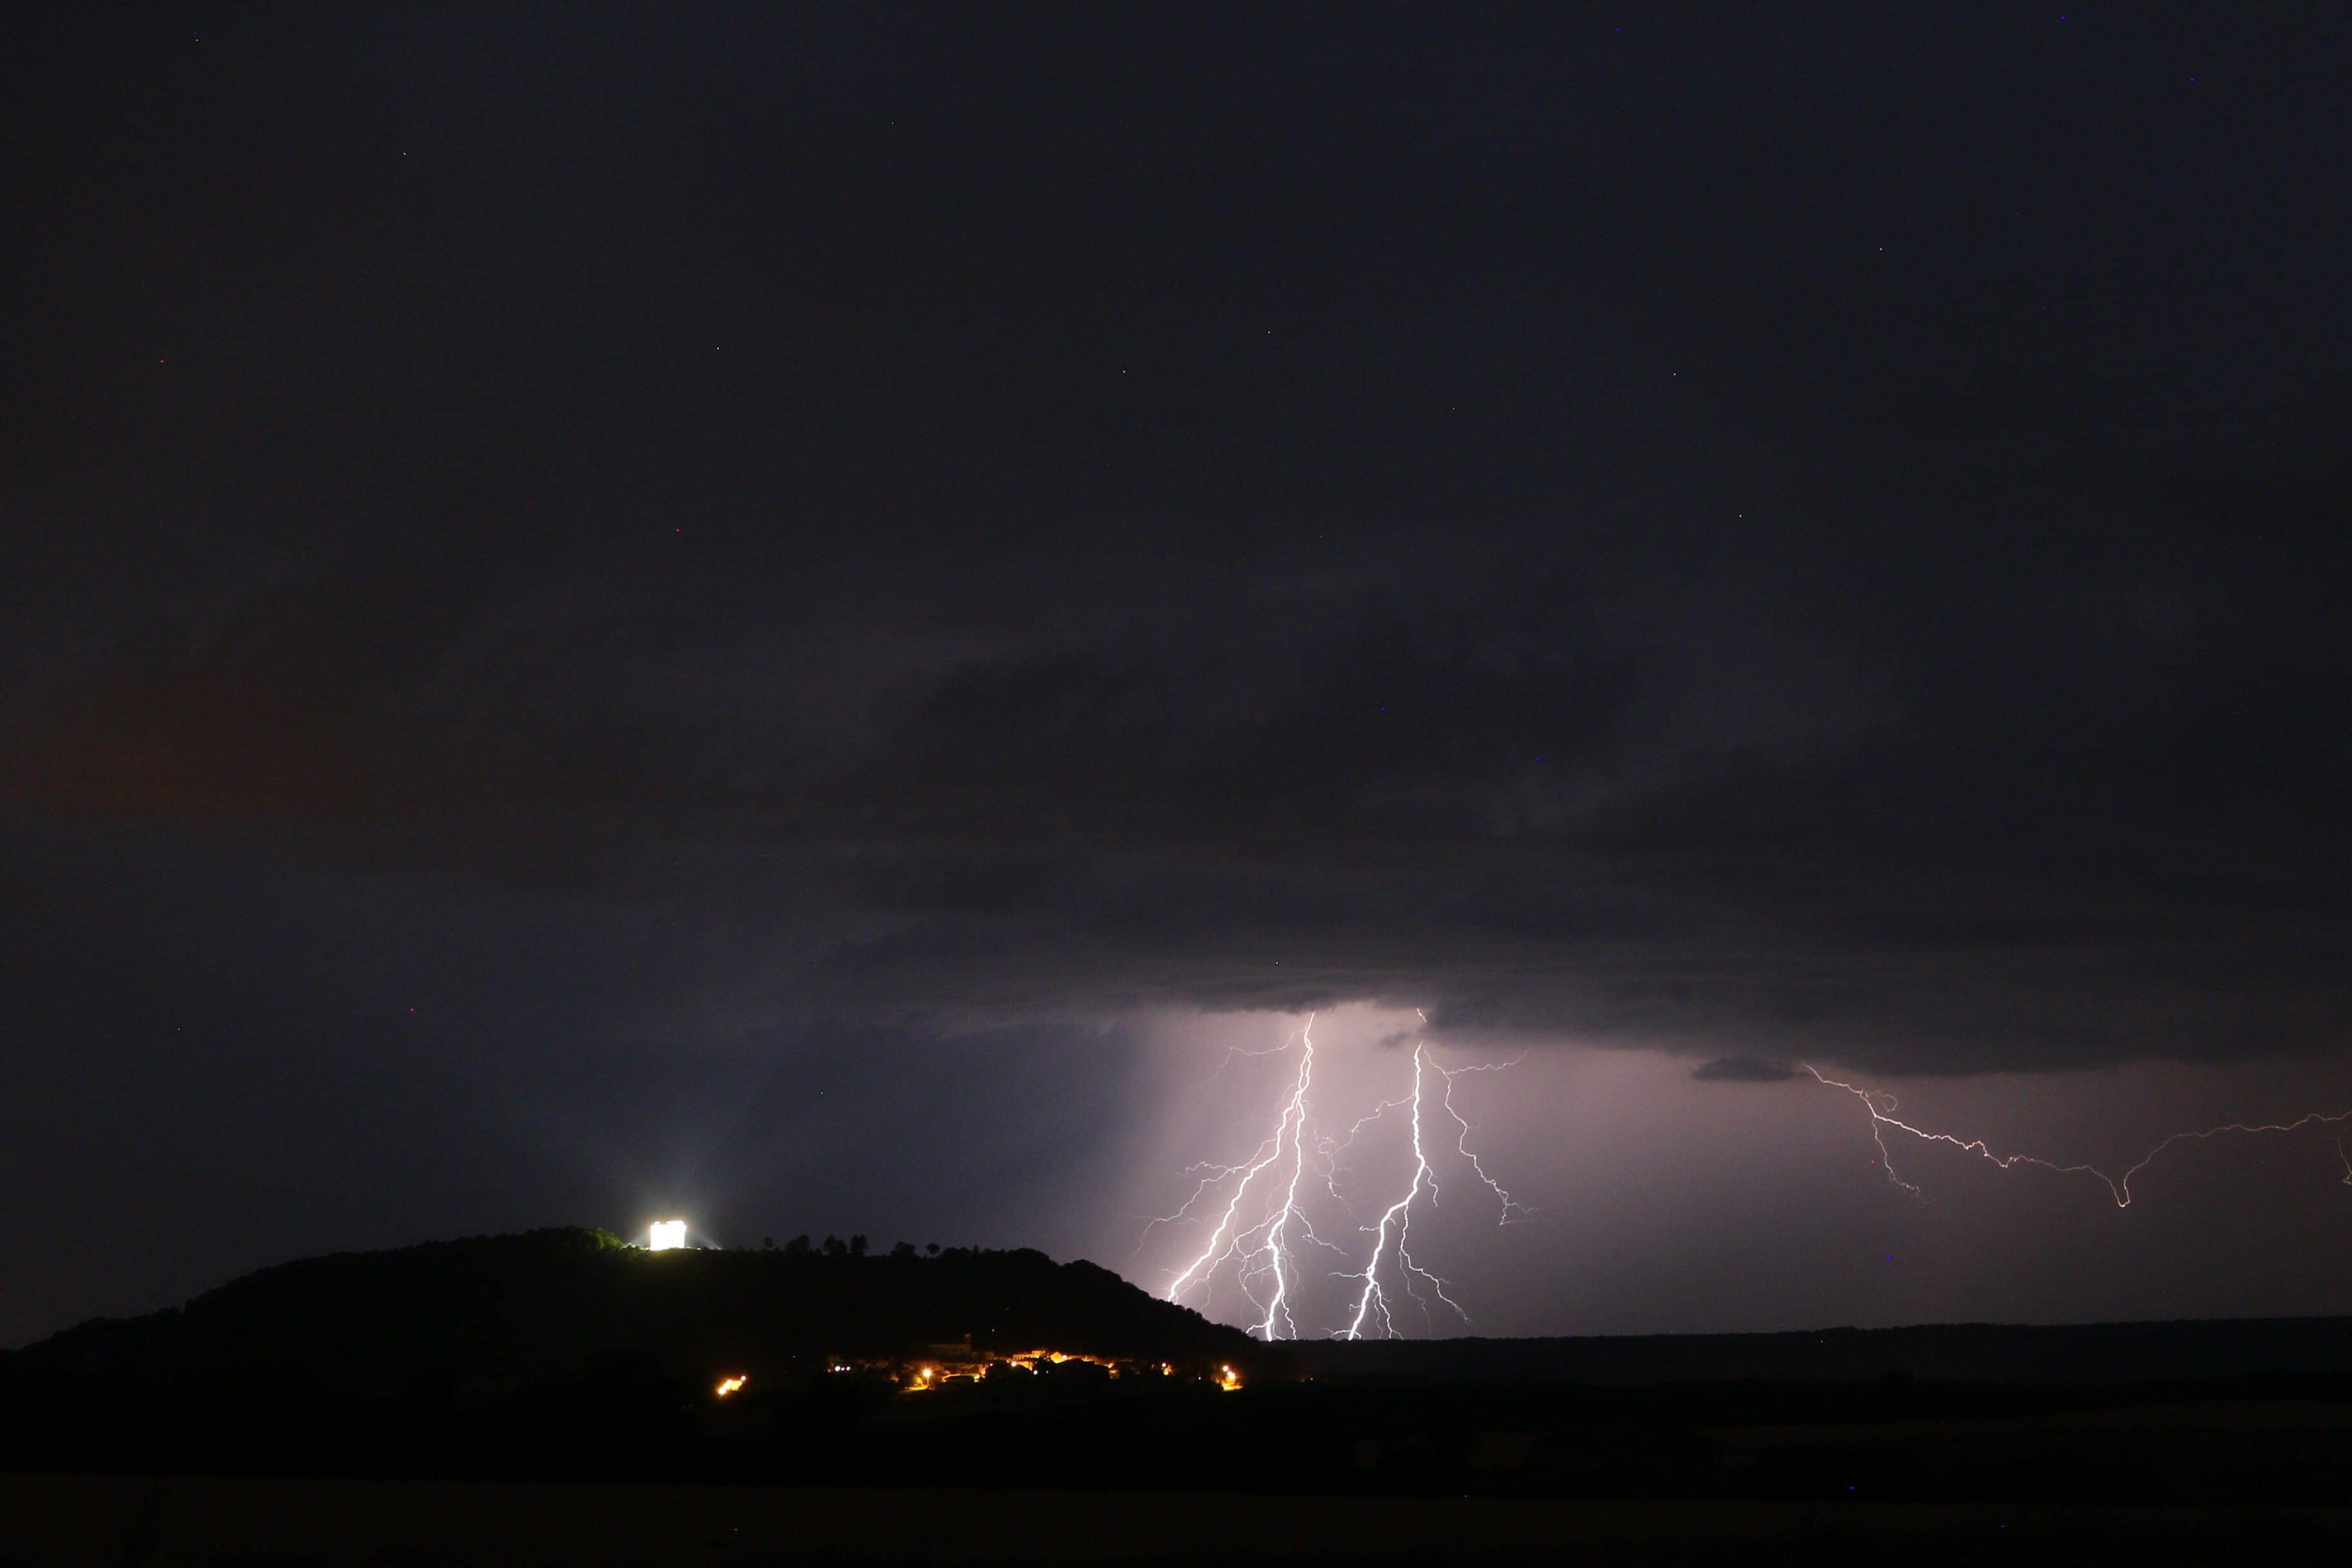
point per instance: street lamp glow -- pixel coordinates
(668, 1235)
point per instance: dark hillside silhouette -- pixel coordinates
(510, 1306)
(565, 1353)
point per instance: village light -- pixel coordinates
(668, 1235)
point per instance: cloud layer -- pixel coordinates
(1367, 542)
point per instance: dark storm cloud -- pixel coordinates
(1746, 538)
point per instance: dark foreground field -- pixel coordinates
(67, 1520)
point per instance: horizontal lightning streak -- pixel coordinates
(1881, 1106)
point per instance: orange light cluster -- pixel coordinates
(728, 1385)
(922, 1376)
(1028, 1360)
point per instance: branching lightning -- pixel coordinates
(1258, 1234)
(1511, 1205)
(1399, 1217)
(1882, 1107)
(1258, 1249)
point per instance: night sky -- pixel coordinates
(820, 618)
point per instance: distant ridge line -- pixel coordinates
(2156, 1350)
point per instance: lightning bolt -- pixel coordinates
(1882, 1107)
(1462, 1145)
(1262, 1247)
(1399, 1217)
(1277, 1253)
(1372, 1302)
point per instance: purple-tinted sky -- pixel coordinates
(804, 614)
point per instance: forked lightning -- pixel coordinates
(1882, 1106)
(1259, 1233)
